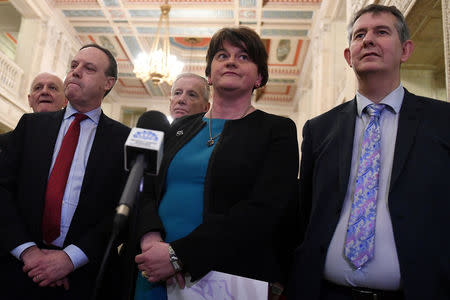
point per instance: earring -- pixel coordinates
(209, 82)
(256, 85)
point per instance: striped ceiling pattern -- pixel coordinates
(128, 27)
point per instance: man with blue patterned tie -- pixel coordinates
(374, 180)
(59, 186)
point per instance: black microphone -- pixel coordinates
(147, 139)
(143, 153)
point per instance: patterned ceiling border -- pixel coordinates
(194, 31)
(285, 92)
(279, 14)
(247, 3)
(284, 32)
(93, 29)
(280, 80)
(146, 2)
(82, 13)
(277, 99)
(111, 3)
(293, 1)
(183, 13)
(76, 2)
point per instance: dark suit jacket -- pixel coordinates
(4, 138)
(249, 196)
(23, 178)
(418, 197)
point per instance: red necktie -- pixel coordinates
(51, 219)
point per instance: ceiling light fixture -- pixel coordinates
(159, 65)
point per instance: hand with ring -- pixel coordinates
(144, 274)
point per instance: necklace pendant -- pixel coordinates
(210, 142)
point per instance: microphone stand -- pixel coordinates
(99, 279)
(129, 196)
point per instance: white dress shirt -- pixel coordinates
(382, 271)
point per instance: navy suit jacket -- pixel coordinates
(24, 171)
(419, 195)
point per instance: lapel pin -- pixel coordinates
(180, 132)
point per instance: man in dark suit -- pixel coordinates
(4, 138)
(46, 93)
(189, 95)
(39, 261)
(374, 180)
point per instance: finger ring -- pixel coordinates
(37, 277)
(144, 274)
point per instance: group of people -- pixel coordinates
(367, 219)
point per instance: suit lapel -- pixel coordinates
(45, 135)
(47, 139)
(345, 134)
(409, 119)
(99, 149)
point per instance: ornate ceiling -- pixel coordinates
(425, 26)
(128, 27)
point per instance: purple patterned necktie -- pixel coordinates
(360, 239)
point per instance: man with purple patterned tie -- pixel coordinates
(374, 180)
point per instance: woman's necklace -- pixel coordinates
(211, 138)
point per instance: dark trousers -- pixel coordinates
(331, 291)
(16, 285)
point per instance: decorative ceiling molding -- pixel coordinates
(127, 28)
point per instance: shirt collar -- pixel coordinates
(94, 114)
(393, 100)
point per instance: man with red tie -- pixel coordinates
(59, 186)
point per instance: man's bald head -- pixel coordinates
(47, 93)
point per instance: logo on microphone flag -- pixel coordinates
(148, 142)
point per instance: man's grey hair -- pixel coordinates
(205, 86)
(400, 25)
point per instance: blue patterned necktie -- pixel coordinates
(360, 239)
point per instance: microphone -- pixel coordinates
(143, 153)
(147, 139)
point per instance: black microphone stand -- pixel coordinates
(129, 197)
